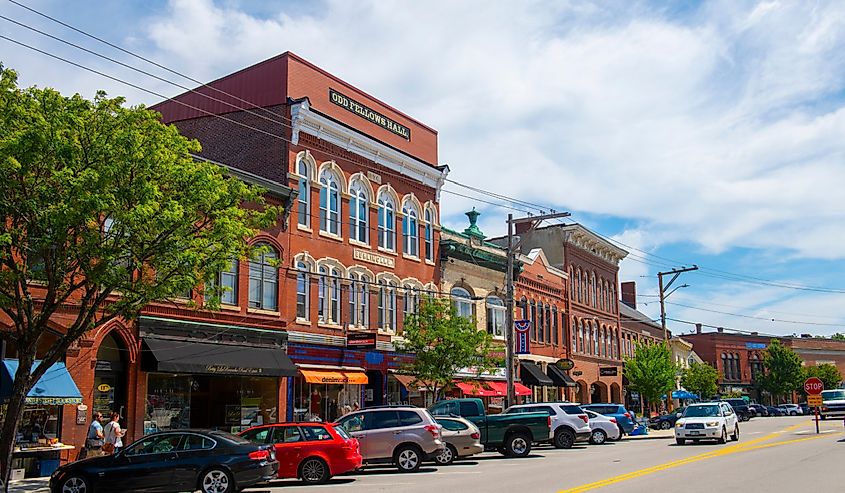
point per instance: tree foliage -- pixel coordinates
(104, 211)
(443, 343)
(838, 336)
(826, 372)
(701, 379)
(651, 371)
(783, 370)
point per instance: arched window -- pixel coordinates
(533, 315)
(303, 296)
(412, 300)
(359, 300)
(411, 230)
(264, 279)
(593, 300)
(580, 336)
(359, 213)
(580, 290)
(496, 316)
(329, 203)
(429, 236)
(549, 324)
(573, 328)
(523, 304)
(304, 198)
(726, 371)
(462, 301)
(387, 305)
(227, 280)
(328, 310)
(595, 334)
(386, 222)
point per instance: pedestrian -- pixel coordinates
(94, 440)
(346, 409)
(356, 407)
(113, 435)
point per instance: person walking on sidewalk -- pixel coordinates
(113, 435)
(94, 441)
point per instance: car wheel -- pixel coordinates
(564, 439)
(823, 417)
(314, 471)
(724, 437)
(407, 458)
(447, 456)
(665, 425)
(75, 484)
(518, 445)
(621, 432)
(216, 480)
(735, 436)
(598, 437)
(793, 413)
(680, 441)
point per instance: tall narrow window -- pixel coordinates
(302, 291)
(533, 315)
(304, 198)
(263, 280)
(581, 336)
(227, 280)
(329, 203)
(548, 337)
(595, 334)
(462, 301)
(411, 231)
(359, 213)
(411, 300)
(386, 222)
(555, 327)
(573, 329)
(359, 300)
(429, 236)
(496, 316)
(387, 305)
(538, 334)
(353, 299)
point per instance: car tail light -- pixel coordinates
(627, 415)
(475, 435)
(612, 420)
(549, 421)
(584, 418)
(260, 455)
(434, 430)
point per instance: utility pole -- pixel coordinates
(513, 247)
(663, 295)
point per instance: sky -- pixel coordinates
(707, 133)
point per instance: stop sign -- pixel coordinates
(813, 386)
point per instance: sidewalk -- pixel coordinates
(31, 485)
(654, 435)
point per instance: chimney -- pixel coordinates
(755, 333)
(629, 294)
(698, 328)
(721, 329)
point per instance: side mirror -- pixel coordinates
(677, 415)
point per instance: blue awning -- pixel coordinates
(55, 387)
(683, 394)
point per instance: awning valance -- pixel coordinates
(478, 388)
(502, 388)
(55, 387)
(334, 377)
(178, 356)
(407, 381)
(559, 377)
(531, 374)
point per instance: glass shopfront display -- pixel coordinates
(230, 403)
(324, 395)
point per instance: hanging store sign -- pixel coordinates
(608, 372)
(361, 340)
(521, 328)
(372, 116)
(565, 364)
(374, 258)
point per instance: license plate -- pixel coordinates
(695, 433)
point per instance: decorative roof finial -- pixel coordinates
(472, 230)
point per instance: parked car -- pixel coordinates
(740, 407)
(462, 439)
(312, 452)
(758, 410)
(791, 409)
(403, 435)
(707, 421)
(624, 418)
(569, 424)
(833, 403)
(774, 411)
(602, 428)
(510, 434)
(666, 421)
(805, 408)
(173, 461)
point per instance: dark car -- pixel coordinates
(173, 461)
(666, 421)
(624, 418)
(758, 410)
(740, 408)
(774, 411)
(806, 409)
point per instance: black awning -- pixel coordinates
(559, 377)
(175, 356)
(531, 374)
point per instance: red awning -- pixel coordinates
(476, 389)
(502, 388)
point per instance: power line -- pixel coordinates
(795, 322)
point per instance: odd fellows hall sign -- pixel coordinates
(373, 116)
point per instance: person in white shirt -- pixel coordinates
(112, 432)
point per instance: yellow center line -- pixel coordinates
(749, 445)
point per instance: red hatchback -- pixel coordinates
(313, 452)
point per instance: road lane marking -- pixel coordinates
(737, 447)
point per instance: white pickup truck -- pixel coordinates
(833, 403)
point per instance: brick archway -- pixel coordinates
(615, 393)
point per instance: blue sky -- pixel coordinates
(694, 132)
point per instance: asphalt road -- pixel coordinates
(773, 455)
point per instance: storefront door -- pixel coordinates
(374, 390)
(110, 378)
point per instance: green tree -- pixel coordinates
(783, 370)
(443, 343)
(104, 210)
(838, 336)
(651, 371)
(701, 379)
(827, 373)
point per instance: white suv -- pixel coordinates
(707, 421)
(570, 423)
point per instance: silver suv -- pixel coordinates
(403, 435)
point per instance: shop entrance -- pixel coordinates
(110, 378)
(374, 390)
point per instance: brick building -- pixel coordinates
(635, 328)
(364, 232)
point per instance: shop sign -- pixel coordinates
(609, 371)
(104, 387)
(373, 258)
(81, 414)
(103, 366)
(233, 370)
(233, 414)
(755, 345)
(521, 327)
(361, 340)
(565, 364)
(577, 373)
(372, 116)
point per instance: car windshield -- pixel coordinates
(830, 395)
(701, 411)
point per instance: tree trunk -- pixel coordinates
(14, 413)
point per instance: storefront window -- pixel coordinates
(39, 422)
(323, 402)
